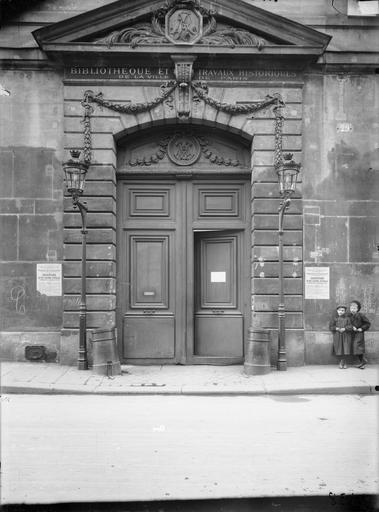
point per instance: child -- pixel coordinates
(359, 324)
(341, 328)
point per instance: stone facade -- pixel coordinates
(330, 125)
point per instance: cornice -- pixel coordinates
(118, 14)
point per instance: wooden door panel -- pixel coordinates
(219, 337)
(148, 201)
(221, 201)
(149, 319)
(149, 337)
(180, 254)
(149, 262)
(218, 322)
(218, 273)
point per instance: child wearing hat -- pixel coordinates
(360, 324)
(341, 328)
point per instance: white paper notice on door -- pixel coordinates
(218, 277)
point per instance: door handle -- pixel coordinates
(218, 311)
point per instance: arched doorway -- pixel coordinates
(183, 249)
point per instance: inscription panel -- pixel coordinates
(125, 72)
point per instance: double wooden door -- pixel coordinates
(183, 271)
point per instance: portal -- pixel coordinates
(183, 279)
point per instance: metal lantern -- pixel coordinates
(287, 174)
(287, 171)
(75, 173)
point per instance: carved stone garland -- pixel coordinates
(166, 143)
(200, 90)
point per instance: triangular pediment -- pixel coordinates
(173, 26)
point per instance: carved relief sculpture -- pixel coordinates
(183, 22)
(184, 149)
(183, 26)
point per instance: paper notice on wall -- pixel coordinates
(49, 279)
(317, 283)
(218, 277)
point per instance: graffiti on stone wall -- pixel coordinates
(23, 307)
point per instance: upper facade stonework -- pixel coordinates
(185, 23)
(144, 27)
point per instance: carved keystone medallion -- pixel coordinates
(184, 26)
(183, 149)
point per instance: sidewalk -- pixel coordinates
(51, 378)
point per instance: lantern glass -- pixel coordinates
(287, 175)
(75, 177)
(75, 173)
(287, 180)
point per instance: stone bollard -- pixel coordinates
(257, 359)
(104, 352)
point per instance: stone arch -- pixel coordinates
(145, 131)
(110, 130)
(238, 125)
(239, 148)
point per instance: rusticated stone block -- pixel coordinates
(272, 205)
(269, 269)
(94, 252)
(290, 253)
(104, 156)
(94, 302)
(267, 142)
(268, 285)
(94, 235)
(271, 237)
(94, 220)
(94, 268)
(260, 221)
(269, 303)
(99, 140)
(270, 320)
(266, 126)
(94, 285)
(265, 173)
(94, 204)
(101, 172)
(95, 320)
(100, 188)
